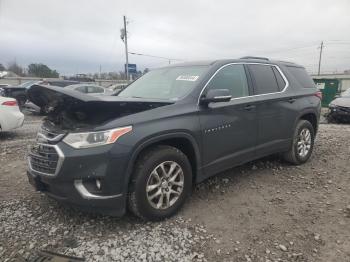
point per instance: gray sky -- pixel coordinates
(79, 35)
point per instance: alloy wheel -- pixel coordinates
(304, 142)
(165, 185)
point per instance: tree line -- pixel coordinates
(43, 71)
(34, 70)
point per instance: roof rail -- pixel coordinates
(287, 62)
(255, 57)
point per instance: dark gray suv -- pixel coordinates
(173, 127)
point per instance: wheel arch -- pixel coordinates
(181, 140)
(310, 116)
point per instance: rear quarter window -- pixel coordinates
(302, 76)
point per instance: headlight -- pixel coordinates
(92, 139)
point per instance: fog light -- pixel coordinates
(98, 184)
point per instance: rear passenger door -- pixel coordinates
(275, 106)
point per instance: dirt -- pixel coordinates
(266, 210)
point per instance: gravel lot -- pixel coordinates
(265, 211)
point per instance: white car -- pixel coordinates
(10, 115)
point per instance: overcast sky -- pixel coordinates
(78, 36)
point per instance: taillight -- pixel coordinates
(319, 94)
(9, 103)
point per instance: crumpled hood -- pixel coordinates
(54, 97)
(341, 101)
(69, 109)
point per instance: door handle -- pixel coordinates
(291, 100)
(249, 107)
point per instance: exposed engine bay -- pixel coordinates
(70, 110)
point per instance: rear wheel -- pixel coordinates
(303, 143)
(161, 182)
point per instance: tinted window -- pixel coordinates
(81, 89)
(280, 81)
(302, 76)
(94, 89)
(265, 80)
(233, 78)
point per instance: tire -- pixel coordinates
(165, 197)
(21, 100)
(295, 156)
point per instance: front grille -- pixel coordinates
(48, 133)
(48, 136)
(44, 159)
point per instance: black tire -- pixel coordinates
(21, 100)
(292, 156)
(138, 202)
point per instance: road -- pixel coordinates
(266, 210)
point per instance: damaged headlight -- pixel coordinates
(92, 139)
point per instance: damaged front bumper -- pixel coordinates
(92, 179)
(339, 113)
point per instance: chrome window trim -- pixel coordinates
(59, 161)
(218, 97)
(84, 193)
(247, 63)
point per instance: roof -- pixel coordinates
(240, 60)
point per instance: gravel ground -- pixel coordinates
(265, 211)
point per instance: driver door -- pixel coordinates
(229, 129)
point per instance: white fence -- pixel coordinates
(14, 81)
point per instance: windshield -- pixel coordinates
(165, 83)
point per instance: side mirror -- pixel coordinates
(216, 96)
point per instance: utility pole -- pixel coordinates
(126, 50)
(319, 60)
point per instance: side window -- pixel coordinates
(99, 89)
(81, 89)
(302, 76)
(94, 89)
(233, 78)
(280, 81)
(265, 80)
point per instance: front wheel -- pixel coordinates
(161, 182)
(302, 145)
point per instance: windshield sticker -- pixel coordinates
(187, 78)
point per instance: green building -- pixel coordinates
(331, 85)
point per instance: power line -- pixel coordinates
(289, 49)
(160, 57)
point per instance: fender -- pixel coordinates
(155, 139)
(307, 111)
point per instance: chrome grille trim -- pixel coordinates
(60, 160)
(46, 135)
